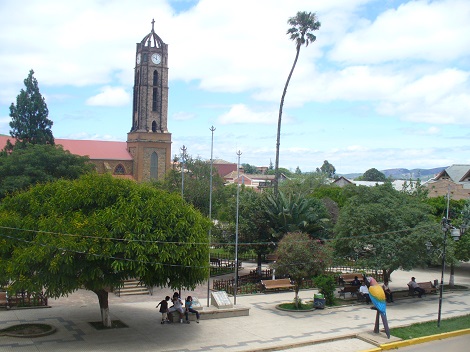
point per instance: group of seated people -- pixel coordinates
(364, 291)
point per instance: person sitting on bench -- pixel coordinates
(364, 292)
(414, 285)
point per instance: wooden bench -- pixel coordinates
(428, 287)
(351, 289)
(278, 284)
(347, 278)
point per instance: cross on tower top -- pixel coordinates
(153, 21)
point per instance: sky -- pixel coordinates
(385, 85)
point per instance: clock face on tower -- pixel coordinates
(138, 59)
(156, 59)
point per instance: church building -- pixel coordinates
(147, 153)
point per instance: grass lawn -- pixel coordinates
(430, 328)
(291, 306)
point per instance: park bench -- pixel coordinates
(348, 289)
(4, 300)
(277, 284)
(347, 278)
(428, 287)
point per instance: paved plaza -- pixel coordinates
(265, 329)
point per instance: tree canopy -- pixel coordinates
(96, 231)
(373, 175)
(299, 256)
(196, 186)
(29, 117)
(327, 169)
(39, 163)
(382, 228)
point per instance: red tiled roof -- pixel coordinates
(103, 150)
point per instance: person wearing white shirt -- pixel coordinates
(364, 292)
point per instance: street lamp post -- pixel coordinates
(455, 233)
(236, 231)
(210, 216)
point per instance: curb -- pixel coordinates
(418, 340)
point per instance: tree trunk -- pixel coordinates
(259, 261)
(296, 298)
(104, 308)
(278, 139)
(452, 276)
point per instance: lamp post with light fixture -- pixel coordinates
(455, 233)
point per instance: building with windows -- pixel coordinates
(146, 155)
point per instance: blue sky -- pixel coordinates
(385, 85)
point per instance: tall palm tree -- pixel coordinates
(303, 24)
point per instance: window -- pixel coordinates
(154, 126)
(154, 166)
(119, 170)
(155, 78)
(154, 100)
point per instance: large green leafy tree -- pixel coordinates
(196, 183)
(373, 175)
(303, 24)
(95, 232)
(29, 117)
(385, 229)
(327, 169)
(254, 233)
(39, 163)
(299, 257)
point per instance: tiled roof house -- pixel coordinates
(455, 179)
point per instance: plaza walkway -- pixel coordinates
(265, 329)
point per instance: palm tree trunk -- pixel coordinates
(278, 139)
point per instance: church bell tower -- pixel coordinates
(149, 141)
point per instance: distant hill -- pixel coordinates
(405, 174)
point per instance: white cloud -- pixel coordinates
(240, 113)
(434, 31)
(110, 96)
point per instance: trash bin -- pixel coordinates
(319, 301)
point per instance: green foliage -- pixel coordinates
(39, 163)
(96, 231)
(29, 120)
(382, 228)
(430, 328)
(250, 169)
(196, 183)
(294, 212)
(304, 183)
(300, 256)
(327, 286)
(328, 169)
(298, 171)
(373, 175)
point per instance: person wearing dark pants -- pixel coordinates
(414, 285)
(189, 309)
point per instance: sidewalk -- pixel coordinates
(266, 328)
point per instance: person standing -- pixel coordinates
(189, 309)
(388, 292)
(164, 309)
